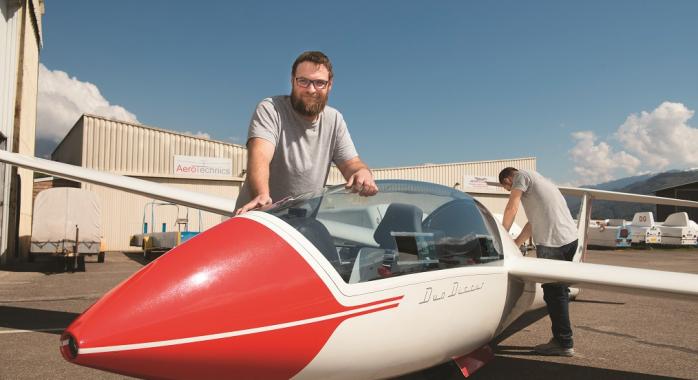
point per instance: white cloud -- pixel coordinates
(62, 99)
(649, 141)
(661, 138)
(596, 163)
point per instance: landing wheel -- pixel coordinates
(100, 257)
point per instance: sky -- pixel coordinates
(595, 90)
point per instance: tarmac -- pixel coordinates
(617, 335)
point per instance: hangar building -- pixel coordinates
(165, 157)
(688, 191)
(155, 155)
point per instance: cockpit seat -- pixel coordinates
(399, 217)
(449, 218)
(317, 234)
(462, 236)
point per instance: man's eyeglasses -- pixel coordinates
(318, 83)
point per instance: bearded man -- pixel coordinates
(293, 139)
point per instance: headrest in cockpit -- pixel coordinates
(399, 217)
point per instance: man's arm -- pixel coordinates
(358, 176)
(524, 235)
(259, 155)
(512, 208)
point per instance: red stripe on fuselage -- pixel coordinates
(277, 354)
(235, 276)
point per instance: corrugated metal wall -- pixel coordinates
(9, 49)
(133, 149)
(9, 46)
(442, 174)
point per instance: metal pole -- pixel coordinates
(80, 260)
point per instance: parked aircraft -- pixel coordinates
(329, 285)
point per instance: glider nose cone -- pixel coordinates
(219, 305)
(69, 347)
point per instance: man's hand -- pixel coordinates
(258, 201)
(524, 235)
(359, 177)
(362, 182)
(259, 155)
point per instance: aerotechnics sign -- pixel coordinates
(481, 184)
(202, 167)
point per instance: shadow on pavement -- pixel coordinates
(528, 318)
(599, 302)
(48, 321)
(137, 257)
(523, 368)
(142, 258)
(46, 264)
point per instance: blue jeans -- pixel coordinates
(557, 296)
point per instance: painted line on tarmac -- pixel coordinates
(31, 331)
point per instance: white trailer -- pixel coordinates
(677, 229)
(609, 233)
(66, 224)
(644, 230)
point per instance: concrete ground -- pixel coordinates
(617, 336)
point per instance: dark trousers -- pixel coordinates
(557, 296)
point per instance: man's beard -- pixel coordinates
(312, 108)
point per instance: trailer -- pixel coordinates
(609, 233)
(66, 225)
(679, 230)
(154, 243)
(644, 230)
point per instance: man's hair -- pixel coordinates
(316, 57)
(506, 173)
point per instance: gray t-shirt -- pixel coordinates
(546, 210)
(303, 149)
